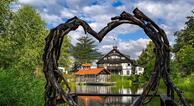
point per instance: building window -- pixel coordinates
(105, 58)
(128, 72)
(113, 57)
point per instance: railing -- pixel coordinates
(164, 99)
(114, 67)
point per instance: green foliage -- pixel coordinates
(147, 60)
(121, 81)
(64, 59)
(23, 44)
(183, 48)
(187, 83)
(84, 51)
(185, 58)
(134, 78)
(173, 69)
(20, 89)
(21, 48)
(5, 15)
(28, 37)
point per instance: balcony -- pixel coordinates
(114, 67)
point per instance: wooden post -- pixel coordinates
(75, 98)
(172, 94)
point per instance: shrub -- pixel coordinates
(20, 89)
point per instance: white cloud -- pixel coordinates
(51, 18)
(121, 8)
(169, 15)
(74, 35)
(98, 10)
(38, 2)
(172, 13)
(131, 48)
(67, 14)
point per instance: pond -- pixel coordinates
(114, 100)
(107, 100)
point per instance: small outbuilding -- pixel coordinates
(92, 75)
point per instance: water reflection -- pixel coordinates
(106, 100)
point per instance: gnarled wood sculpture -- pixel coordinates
(54, 77)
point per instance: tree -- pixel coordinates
(64, 59)
(5, 19)
(5, 15)
(23, 43)
(21, 46)
(147, 60)
(85, 51)
(183, 48)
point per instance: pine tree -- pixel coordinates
(85, 51)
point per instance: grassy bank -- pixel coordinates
(185, 83)
(127, 81)
(121, 81)
(19, 88)
(22, 88)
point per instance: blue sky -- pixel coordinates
(131, 40)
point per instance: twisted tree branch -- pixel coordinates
(53, 88)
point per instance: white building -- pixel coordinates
(62, 69)
(118, 63)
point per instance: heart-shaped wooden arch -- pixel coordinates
(54, 40)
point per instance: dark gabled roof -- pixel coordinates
(127, 58)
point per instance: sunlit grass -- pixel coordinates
(17, 90)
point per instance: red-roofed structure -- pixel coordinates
(89, 75)
(92, 71)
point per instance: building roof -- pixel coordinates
(115, 52)
(92, 71)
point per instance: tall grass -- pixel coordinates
(121, 81)
(185, 83)
(19, 88)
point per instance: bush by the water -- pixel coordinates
(19, 88)
(121, 81)
(185, 83)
